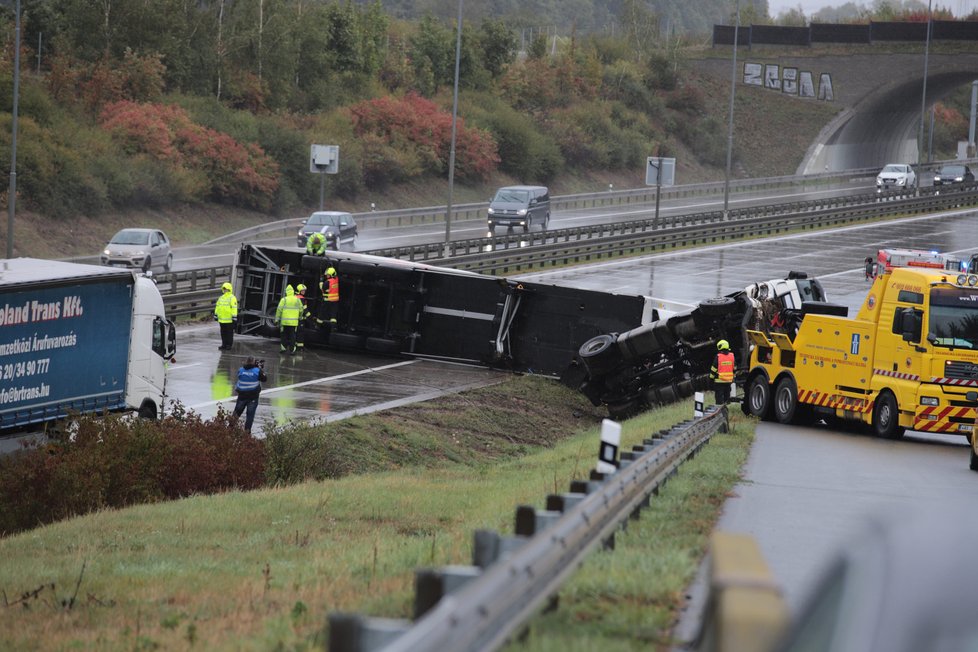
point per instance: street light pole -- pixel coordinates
(451, 152)
(12, 193)
(923, 101)
(730, 126)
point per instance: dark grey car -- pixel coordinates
(338, 227)
(950, 174)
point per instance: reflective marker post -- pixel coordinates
(610, 441)
(698, 404)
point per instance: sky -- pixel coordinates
(957, 7)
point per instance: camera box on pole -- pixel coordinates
(324, 158)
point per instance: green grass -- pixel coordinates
(262, 570)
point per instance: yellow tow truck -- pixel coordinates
(907, 361)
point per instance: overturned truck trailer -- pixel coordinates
(396, 307)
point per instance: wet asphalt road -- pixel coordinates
(315, 384)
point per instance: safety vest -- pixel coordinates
(289, 309)
(226, 308)
(725, 367)
(332, 290)
(248, 379)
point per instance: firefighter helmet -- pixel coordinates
(723, 345)
(330, 271)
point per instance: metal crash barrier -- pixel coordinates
(481, 607)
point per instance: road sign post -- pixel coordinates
(659, 172)
(323, 160)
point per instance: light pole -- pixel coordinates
(923, 102)
(451, 151)
(730, 126)
(12, 194)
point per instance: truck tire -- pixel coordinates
(886, 416)
(717, 307)
(973, 465)
(599, 354)
(757, 396)
(618, 411)
(346, 340)
(383, 345)
(785, 400)
(147, 410)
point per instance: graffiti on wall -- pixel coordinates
(789, 80)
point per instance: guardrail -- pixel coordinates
(477, 211)
(587, 244)
(479, 607)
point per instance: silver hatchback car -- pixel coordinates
(139, 248)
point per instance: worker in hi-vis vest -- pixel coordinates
(722, 372)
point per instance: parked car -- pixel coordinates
(337, 226)
(140, 248)
(520, 206)
(953, 173)
(896, 176)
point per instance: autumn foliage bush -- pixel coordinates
(111, 462)
(226, 170)
(414, 135)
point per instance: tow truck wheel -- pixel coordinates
(758, 397)
(785, 400)
(974, 460)
(886, 417)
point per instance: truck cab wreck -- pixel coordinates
(670, 359)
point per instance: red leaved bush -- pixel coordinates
(237, 173)
(417, 124)
(109, 462)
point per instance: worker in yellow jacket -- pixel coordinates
(287, 316)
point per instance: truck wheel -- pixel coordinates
(598, 354)
(973, 465)
(717, 307)
(886, 417)
(618, 411)
(785, 400)
(758, 397)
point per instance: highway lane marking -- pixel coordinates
(327, 379)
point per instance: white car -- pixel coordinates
(896, 176)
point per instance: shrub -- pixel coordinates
(114, 461)
(524, 151)
(238, 173)
(422, 132)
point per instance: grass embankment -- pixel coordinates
(261, 570)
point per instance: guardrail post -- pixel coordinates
(489, 547)
(356, 633)
(432, 584)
